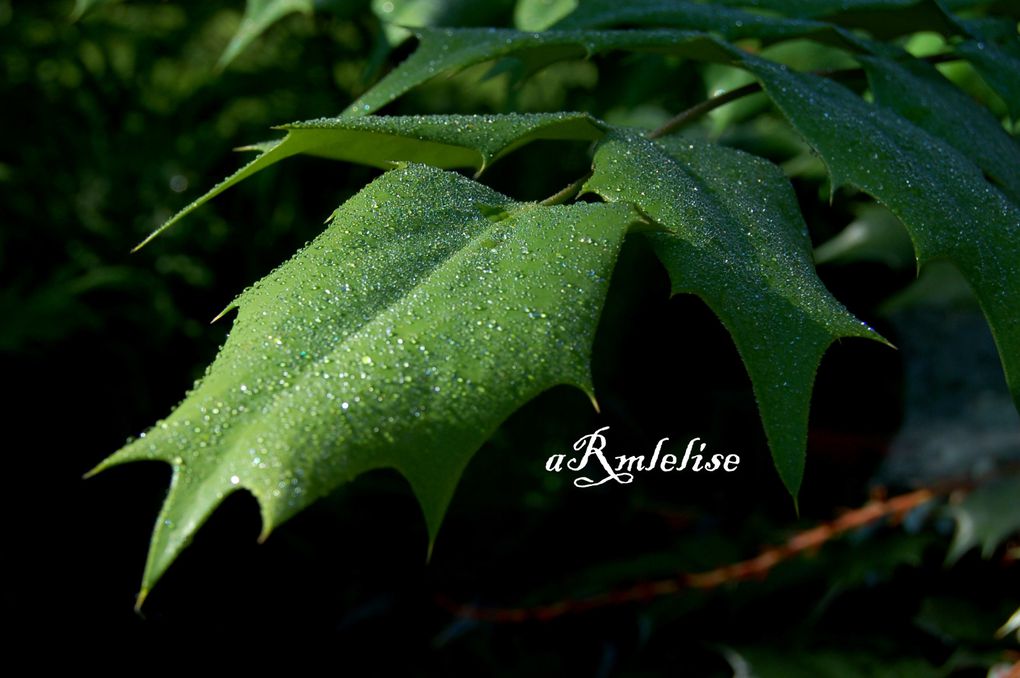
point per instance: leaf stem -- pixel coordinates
(702, 107)
(566, 193)
(685, 117)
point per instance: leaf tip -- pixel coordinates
(230, 307)
(143, 593)
(94, 471)
(149, 238)
(267, 530)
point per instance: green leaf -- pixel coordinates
(736, 239)
(258, 16)
(815, 8)
(919, 93)
(730, 23)
(446, 50)
(985, 518)
(943, 199)
(875, 235)
(999, 68)
(883, 18)
(427, 312)
(445, 141)
(442, 50)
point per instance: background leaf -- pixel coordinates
(985, 518)
(258, 16)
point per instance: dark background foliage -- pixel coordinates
(114, 122)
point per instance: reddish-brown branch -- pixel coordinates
(754, 568)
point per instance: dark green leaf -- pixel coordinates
(736, 239)
(919, 93)
(942, 198)
(883, 18)
(442, 50)
(999, 68)
(730, 23)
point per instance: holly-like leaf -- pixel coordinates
(919, 93)
(448, 49)
(999, 67)
(883, 18)
(819, 8)
(736, 239)
(444, 141)
(727, 22)
(943, 199)
(427, 312)
(258, 16)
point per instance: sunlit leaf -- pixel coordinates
(427, 312)
(445, 141)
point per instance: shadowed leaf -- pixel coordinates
(737, 240)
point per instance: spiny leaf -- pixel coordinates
(444, 141)
(985, 518)
(736, 239)
(942, 198)
(447, 50)
(883, 18)
(399, 338)
(814, 8)
(999, 68)
(919, 93)
(442, 50)
(728, 22)
(258, 16)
